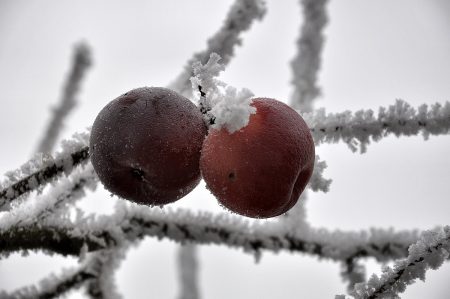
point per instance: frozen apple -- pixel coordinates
(145, 145)
(261, 170)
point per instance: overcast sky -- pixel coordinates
(376, 51)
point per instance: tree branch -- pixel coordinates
(239, 19)
(135, 222)
(49, 170)
(306, 63)
(81, 62)
(359, 128)
(429, 252)
(52, 286)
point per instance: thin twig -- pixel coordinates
(306, 63)
(238, 20)
(429, 252)
(81, 62)
(51, 287)
(44, 175)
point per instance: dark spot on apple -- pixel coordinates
(232, 176)
(138, 173)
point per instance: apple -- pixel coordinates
(145, 145)
(261, 170)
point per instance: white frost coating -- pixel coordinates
(358, 129)
(81, 62)
(429, 252)
(39, 162)
(132, 222)
(306, 63)
(239, 19)
(188, 272)
(225, 106)
(317, 181)
(48, 286)
(104, 264)
(63, 192)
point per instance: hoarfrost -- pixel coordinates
(223, 106)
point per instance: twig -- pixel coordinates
(306, 63)
(353, 272)
(133, 223)
(105, 264)
(239, 19)
(429, 252)
(63, 164)
(359, 128)
(188, 272)
(52, 286)
(66, 190)
(81, 63)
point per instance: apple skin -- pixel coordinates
(261, 170)
(145, 145)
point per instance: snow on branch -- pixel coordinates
(353, 272)
(317, 181)
(44, 168)
(306, 63)
(132, 222)
(81, 63)
(359, 128)
(188, 272)
(429, 252)
(64, 192)
(52, 286)
(221, 104)
(96, 270)
(104, 263)
(239, 19)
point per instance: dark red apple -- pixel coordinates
(261, 170)
(145, 145)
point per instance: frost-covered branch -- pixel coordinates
(353, 272)
(429, 252)
(104, 263)
(188, 272)
(43, 169)
(358, 129)
(222, 105)
(239, 19)
(81, 63)
(317, 181)
(61, 235)
(306, 63)
(53, 286)
(64, 192)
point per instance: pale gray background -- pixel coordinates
(375, 52)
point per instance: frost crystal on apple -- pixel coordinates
(224, 106)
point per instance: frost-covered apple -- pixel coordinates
(145, 145)
(261, 170)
